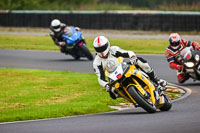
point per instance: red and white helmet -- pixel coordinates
(101, 46)
(174, 39)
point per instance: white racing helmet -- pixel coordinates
(101, 46)
(56, 25)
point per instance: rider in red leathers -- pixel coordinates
(172, 52)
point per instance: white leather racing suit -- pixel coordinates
(99, 63)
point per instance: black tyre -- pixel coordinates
(167, 105)
(77, 57)
(88, 54)
(142, 102)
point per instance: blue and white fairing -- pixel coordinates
(72, 36)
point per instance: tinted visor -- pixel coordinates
(175, 43)
(102, 48)
(56, 27)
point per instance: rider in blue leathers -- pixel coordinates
(57, 29)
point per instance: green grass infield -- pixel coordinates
(27, 94)
(147, 46)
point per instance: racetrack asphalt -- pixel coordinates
(184, 117)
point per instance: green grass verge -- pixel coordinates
(26, 42)
(45, 43)
(35, 94)
(27, 94)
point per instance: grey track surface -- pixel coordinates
(48, 60)
(184, 117)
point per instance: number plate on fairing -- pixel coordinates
(116, 74)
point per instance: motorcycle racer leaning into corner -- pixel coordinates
(56, 30)
(105, 52)
(172, 53)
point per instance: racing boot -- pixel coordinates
(113, 93)
(62, 49)
(160, 83)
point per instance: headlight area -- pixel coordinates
(189, 64)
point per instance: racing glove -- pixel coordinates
(107, 87)
(110, 89)
(112, 92)
(133, 59)
(61, 43)
(77, 28)
(176, 66)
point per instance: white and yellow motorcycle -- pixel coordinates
(134, 85)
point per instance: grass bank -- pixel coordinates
(34, 94)
(45, 43)
(27, 94)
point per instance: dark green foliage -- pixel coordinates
(39, 4)
(88, 4)
(150, 3)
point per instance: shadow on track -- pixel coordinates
(68, 60)
(190, 84)
(133, 112)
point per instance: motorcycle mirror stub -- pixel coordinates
(196, 57)
(120, 59)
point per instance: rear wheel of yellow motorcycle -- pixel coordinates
(167, 105)
(142, 102)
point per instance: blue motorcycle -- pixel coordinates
(75, 44)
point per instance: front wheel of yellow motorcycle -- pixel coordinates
(167, 105)
(142, 102)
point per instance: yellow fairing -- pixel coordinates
(149, 86)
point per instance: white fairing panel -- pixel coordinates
(115, 75)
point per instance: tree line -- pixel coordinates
(88, 4)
